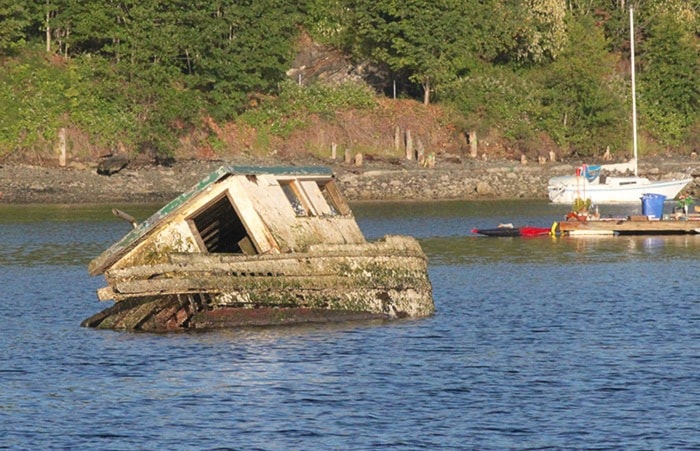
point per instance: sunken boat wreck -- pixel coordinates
(252, 246)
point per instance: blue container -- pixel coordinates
(653, 205)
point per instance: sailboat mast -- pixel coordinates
(634, 91)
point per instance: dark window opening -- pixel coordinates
(221, 230)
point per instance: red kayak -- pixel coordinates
(514, 231)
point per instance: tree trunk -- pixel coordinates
(48, 29)
(426, 92)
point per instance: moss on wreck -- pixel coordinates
(378, 274)
(385, 301)
(158, 251)
(169, 313)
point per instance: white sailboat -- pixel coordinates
(588, 183)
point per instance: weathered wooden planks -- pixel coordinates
(262, 242)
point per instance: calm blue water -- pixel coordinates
(537, 343)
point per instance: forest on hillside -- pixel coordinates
(140, 75)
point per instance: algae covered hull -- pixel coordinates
(384, 279)
(256, 246)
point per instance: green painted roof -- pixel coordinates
(121, 247)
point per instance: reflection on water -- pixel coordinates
(23, 214)
(444, 230)
(560, 250)
(61, 234)
(563, 343)
(446, 219)
(458, 218)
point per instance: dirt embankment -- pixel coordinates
(380, 136)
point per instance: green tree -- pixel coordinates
(541, 34)
(55, 19)
(669, 82)
(427, 41)
(326, 20)
(32, 94)
(14, 19)
(166, 63)
(496, 97)
(583, 101)
(246, 47)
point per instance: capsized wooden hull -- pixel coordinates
(382, 279)
(258, 245)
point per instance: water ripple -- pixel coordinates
(536, 344)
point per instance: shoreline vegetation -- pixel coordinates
(396, 180)
(410, 109)
(288, 82)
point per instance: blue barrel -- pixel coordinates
(653, 205)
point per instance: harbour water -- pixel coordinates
(560, 343)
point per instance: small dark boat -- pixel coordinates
(510, 231)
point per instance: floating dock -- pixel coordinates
(633, 225)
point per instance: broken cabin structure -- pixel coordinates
(258, 246)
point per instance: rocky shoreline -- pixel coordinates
(80, 183)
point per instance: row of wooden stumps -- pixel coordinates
(412, 151)
(405, 140)
(540, 159)
(413, 154)
(416, 151)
